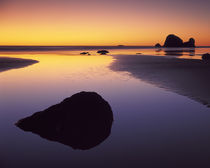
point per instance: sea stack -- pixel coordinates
(175, 41)
(190, 43)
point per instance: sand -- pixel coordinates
(13, 63)
(188, 77)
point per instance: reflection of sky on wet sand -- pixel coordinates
(150, 123)
(190, 53)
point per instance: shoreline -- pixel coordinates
(8, 63)
(70, 48)
(187, 77)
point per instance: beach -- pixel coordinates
(105, 84)
(188, 77)
(152, 98)
(14, 63)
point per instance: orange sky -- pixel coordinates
(91, 22)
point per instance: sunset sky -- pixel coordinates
(102, 22)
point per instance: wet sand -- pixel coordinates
(188, 77)
(13, 63)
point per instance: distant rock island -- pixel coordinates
(175, 41)
(81, 121)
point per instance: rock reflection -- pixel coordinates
(81, 121)
(190, 52)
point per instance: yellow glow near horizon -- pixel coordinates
(79, 24)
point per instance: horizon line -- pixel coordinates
(87, 46)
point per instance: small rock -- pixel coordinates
(103, 52)
(85, 53)
(206, 56)
(158, 45)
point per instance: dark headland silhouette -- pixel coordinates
(175, 41)
(14, 63)
(81, 121)
(188, 77)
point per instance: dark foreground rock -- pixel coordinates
(81, 121)
(175, 41)
(206, 56)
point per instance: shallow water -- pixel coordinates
(152, 127)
